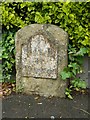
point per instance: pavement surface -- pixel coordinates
(34, 106)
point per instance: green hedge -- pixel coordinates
(73, 17)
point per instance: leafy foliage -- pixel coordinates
(74, 67)
(73, 17)
(8, 54)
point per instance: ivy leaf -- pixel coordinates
(74, 71)
(73, 65)
(12, 41)
(82, 84)
(65, 75)
(82, 51)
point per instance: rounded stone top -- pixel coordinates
(49, 30)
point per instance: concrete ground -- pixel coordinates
(34, 106)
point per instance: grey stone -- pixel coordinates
(41, 54)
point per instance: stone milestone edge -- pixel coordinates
(41, 54)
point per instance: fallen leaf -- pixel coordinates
(36, 98)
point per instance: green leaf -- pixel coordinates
(82, 51)
(12, 41)
(8, 27)
(39, 18)
(5, 55)
(74, 71)
(75, 66)
(82, 84)
(65, 75)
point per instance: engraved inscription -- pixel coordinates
(39, 59)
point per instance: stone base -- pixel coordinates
(43, 87)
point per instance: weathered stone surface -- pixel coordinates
(39, 59)
(41, 54)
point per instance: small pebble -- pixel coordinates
(26, 117)
(40, 103)
(52, 117)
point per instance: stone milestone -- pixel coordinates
(41, 54)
